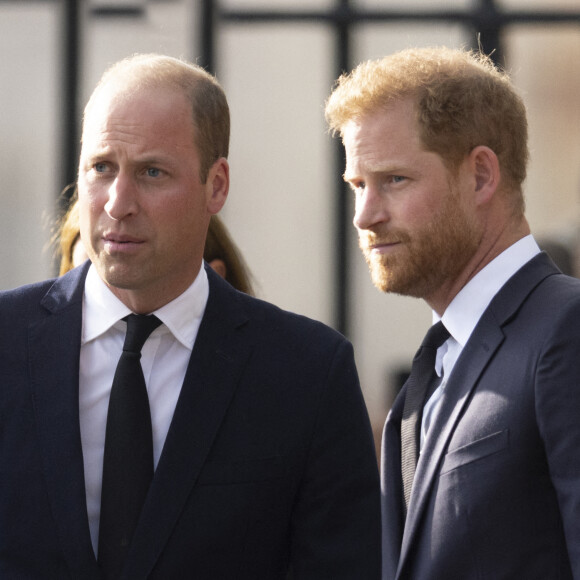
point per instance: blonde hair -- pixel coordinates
(210, 111)
(462, 101)
(67, 235)
(220, 246)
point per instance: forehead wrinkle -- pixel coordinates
(108, 140)
(110, 131)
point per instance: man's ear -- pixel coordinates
(218, 185)
(484, 165)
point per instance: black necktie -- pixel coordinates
(128, 459)
(421, 377)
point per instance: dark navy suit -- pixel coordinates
(268, 462)
(497, 488)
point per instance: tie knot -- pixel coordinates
(139, 327)
(436, 336)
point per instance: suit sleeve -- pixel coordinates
(336, 518)
(558, 410)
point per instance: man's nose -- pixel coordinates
(122, 197)
(370, 209)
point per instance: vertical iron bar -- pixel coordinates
(70, 89)
(342, 216)
(489, 28)
(207, 35)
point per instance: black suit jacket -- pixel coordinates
(268, 463)
(497, 488)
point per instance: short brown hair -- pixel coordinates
(210, 111)
(462, 101)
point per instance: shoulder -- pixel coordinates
(275, 317)
(547, 315)
(271, 321)
(23, 298)
(538, 286)
(562, 286)
(556, 296)
(51, 295)
(555, 307)
(19, 309)
(270, 325)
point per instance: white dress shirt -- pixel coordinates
(465, 310)
(164, 360)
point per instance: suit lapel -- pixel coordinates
(476, 354)
(54, 347)
(217, 361)
(479, 350)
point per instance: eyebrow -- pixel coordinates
(349, 176)
(396, 167)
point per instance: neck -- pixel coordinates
(151, 299)
(490, 247)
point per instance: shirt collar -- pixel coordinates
(102, 309)
(465, 310)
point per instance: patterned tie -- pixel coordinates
(421, 377)
(128, 459)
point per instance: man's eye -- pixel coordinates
(398, 178)
(153, 172)
(100, 167)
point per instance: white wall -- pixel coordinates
(29, 163)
